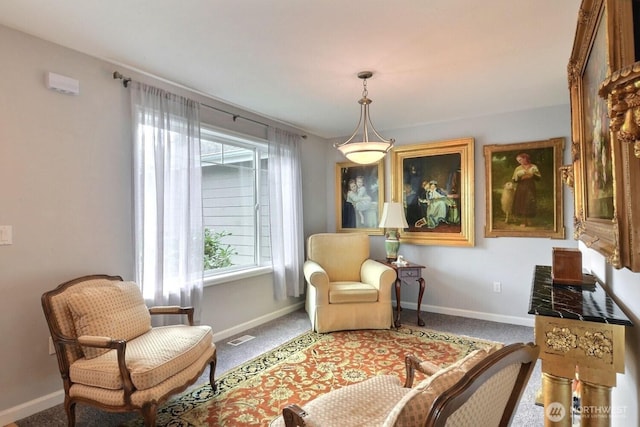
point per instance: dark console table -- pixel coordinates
(578, 327)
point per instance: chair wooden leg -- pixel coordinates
(212, 373)
(293, 416)
(70, 409)
(149, 413)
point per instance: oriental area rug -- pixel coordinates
(306, 367)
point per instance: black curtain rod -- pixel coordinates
(126, 80)
(234, 116)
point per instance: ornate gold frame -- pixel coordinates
(461, 150)
(500, 161)
(374, 173)
(602, 44)
(622, 90)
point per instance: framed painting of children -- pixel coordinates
(359, 189)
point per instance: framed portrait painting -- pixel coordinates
(524, 189)
(602, 44)
(359, 197)
(434, 181)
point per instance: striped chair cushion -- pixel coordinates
(152, 358)
(115, 309)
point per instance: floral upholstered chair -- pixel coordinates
(483, 389)
(346, 290)
(108, 354)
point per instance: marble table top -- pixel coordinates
(588, 302)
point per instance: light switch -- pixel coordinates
(6, 232)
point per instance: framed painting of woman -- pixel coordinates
(524, 189)
(433, 180)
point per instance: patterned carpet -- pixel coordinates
(304, 368)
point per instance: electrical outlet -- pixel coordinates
(497, 287)
(52, 348)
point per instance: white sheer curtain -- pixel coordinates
(167, 198)
(285, 212)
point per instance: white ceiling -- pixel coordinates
(297, 60)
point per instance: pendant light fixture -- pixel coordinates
(361, 150)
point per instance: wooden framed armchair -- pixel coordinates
(346, 290)
(108, 354)
(483, 389)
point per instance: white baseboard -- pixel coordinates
(32, 407)
(222, 335)
(512, 320)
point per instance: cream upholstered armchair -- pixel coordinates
(483, 389)
(346, 290)
(108, 354)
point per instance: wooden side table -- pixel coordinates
(407, 273)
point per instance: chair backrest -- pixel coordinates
(340, 254)
(488, 394)
(59, 317)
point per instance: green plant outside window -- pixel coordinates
(216, 253)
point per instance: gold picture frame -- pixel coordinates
(524, 189)
(434, 181)
(602, 44)
(359, 197)
(622, 90)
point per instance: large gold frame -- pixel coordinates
(622, 90)
(464, 147)
(549, 152)
(605, 28)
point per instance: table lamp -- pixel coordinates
(392, 219)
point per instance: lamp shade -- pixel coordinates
(393, 216)
(364, 152)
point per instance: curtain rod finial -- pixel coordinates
(125, 80)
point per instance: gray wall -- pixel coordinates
(65, 182)
(66, 188)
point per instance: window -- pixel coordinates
(235, 202)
